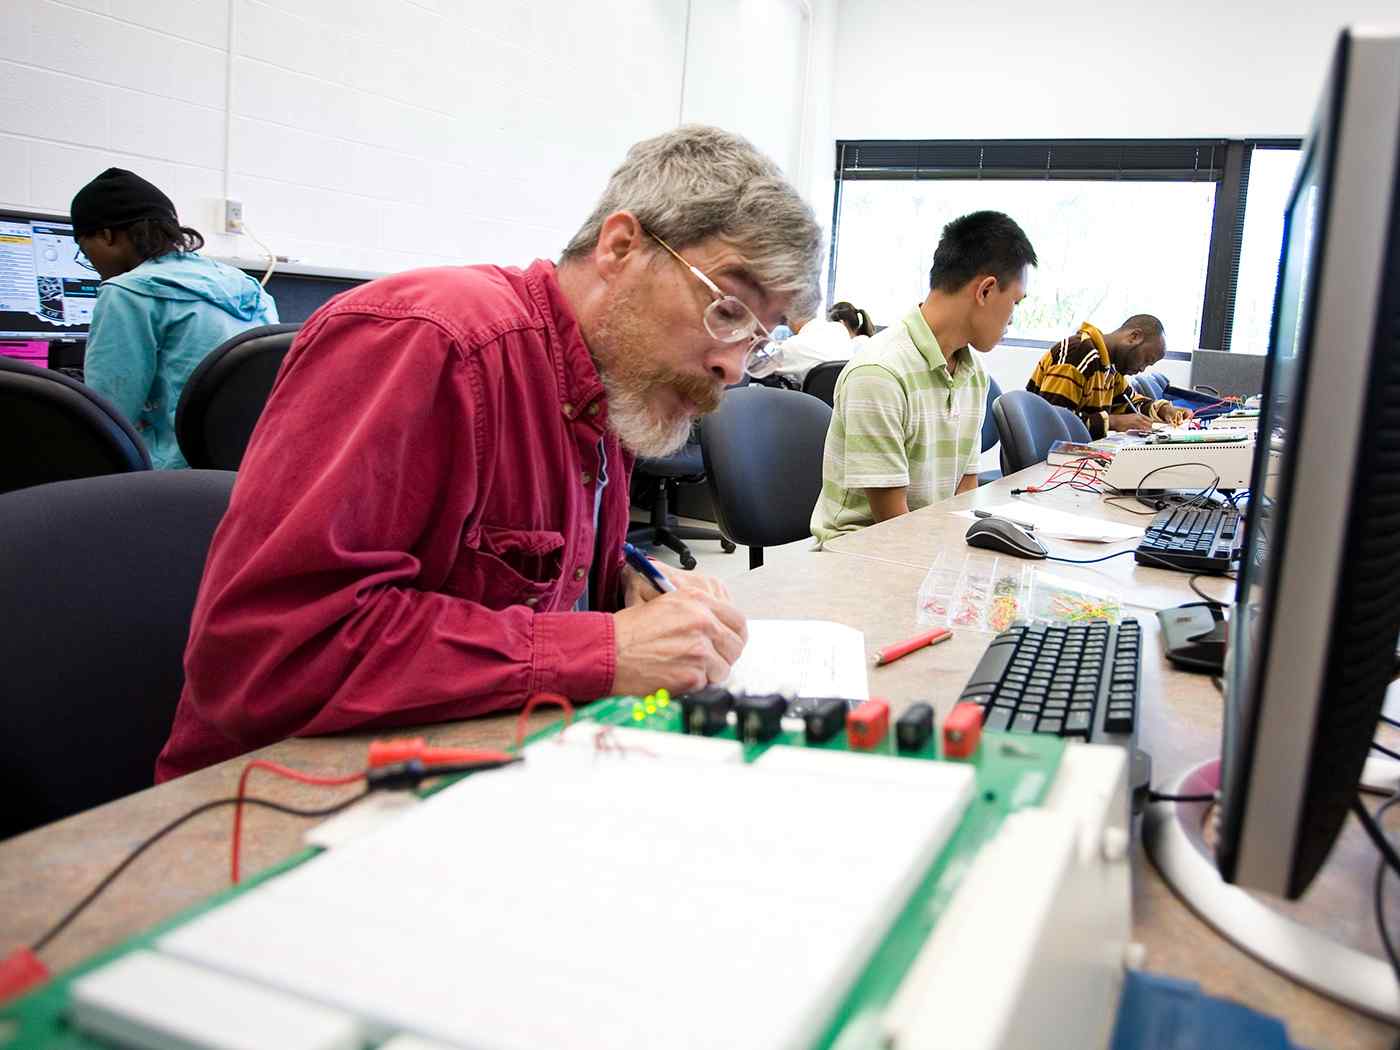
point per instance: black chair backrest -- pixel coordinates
(989, 425)
(820, 382)
(53, 428)
(100, 580)
(1028, 425)
(763, 457)
(225, 395)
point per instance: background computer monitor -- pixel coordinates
(47, 287)
(1318, 600)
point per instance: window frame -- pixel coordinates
(1219, 160)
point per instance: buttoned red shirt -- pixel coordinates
(413, 522)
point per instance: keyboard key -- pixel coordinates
(1077, 723)
(1049, 725)
(993, 664)
(998, 718)
(1024, 723)
(1118, 722)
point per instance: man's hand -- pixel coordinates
(636, 588)
(1174, 415)
(681, 642)
(1129, 421)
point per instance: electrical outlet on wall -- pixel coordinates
(233, 216)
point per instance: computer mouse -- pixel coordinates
(1006, 537)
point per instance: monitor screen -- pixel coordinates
(47, 287)
(1317, 606)
(1288, 361)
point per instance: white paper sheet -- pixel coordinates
(1058, 524)
(803, 658)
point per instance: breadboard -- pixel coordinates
(1006, 779)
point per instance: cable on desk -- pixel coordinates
(281, 771)
(541, 698)
(1114, 500)
(1202, 594)
(152, 839)
(1389, 859)
(1201, 498)
(1390, 721)
(1385, 750)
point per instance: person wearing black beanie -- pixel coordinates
(160, 309)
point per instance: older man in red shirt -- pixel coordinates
(428, 520)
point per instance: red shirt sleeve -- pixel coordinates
(327, 601)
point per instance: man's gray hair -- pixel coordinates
(697, 182)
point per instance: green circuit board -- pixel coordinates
(1012, 773)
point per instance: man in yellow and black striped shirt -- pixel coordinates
(1087, 374)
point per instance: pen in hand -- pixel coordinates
(643, 565)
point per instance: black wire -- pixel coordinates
(1385, 750)
(1089, 561)
(150, 841)
(1379, 896)
(1151, 512)
(1372, 829)
(1390, 721)
(1162, 503)
(1202, 594)
(1157, 796)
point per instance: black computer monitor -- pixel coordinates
(1318, 601)
(1317, 606)
(47, 287)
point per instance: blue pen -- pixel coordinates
(643, 565)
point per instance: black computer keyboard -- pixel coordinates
(1076, 680)
(1193, 539)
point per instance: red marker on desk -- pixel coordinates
(890, 653)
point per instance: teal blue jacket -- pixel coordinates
(151, 327)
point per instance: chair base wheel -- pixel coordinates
(688, 561)
(727, 547)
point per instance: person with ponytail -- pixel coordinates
(838, 338)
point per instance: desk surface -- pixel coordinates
(45, 871)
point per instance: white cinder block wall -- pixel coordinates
(385, 134)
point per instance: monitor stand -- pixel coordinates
(1172, 832)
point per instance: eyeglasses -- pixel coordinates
(729, 320)
(82, 260)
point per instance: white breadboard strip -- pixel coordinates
(600, 905)
(160, 1003)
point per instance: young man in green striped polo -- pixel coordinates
(906, 427)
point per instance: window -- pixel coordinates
(1271, 174)
(1107, 249)
(1183, 229)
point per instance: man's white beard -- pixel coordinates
(637, 426)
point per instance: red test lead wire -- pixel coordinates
(281, 771)
(394, 752)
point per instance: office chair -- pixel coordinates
(660, 478)
(1029, 425)
(100, 580)
(989, 430)
(53, 428)
(763, 454)
(820, 382)
(1149, 384)
(225, 395)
